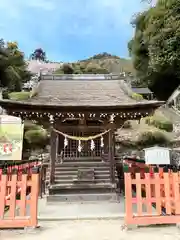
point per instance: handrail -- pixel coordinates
(17, 163)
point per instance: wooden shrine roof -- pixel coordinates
(85, 92)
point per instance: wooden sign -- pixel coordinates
(85, 174)
(157, 156)
(11, 138)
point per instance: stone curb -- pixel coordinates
(51, 219)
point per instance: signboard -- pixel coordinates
(11, 138)
(157, 156)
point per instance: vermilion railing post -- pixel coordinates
(34, 196)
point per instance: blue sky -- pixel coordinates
(69, 30)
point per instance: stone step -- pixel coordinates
(84, 185)
(73, 176)
(91, 197)
(81, 160)
(82, 188)
(97, 176)
(82, 164)
(75, 169)
(82, 211)
(74, 172)
(72, 181)
(104, 172)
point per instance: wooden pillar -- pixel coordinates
(52, 151)
(111, 150)
(110, 155)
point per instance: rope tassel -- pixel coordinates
(82, 138)
(79, 146)
(65, 142)
(92, 145)
(102, 142)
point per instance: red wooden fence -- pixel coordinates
(20, 169)
(157, 192)
(22, 212)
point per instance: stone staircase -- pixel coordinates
(85, 180)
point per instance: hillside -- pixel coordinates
(113, 63)
(101, 63)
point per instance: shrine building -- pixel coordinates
(83, 112)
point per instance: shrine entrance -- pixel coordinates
(82, 145)
(82, 114)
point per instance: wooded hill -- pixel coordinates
(101, 63)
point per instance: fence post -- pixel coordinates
(34, 196)
(3, 186)
(12, 199)
(128, 194)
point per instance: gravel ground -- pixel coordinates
(91, 230)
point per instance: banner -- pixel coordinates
(11, 138)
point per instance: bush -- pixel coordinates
(5, 94)
(67, 69)
(127, 125)
(137, 97)
(149, 120)
(160, 122)
(28, 125)
(36, 138)
(164, 124)
(151, 138)
(19, 95)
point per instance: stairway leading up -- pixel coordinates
(85, 179)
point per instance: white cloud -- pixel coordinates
(42, 22)
(80, 14)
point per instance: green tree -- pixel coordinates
(82, 68)
(38, 54)
(13, 69)
(35, 137)
(67, 69)
(95, 69)
(155, 49)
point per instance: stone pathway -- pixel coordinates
(77, 210)
(91, 230)
(58, 211)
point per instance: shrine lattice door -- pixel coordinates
(71, 150)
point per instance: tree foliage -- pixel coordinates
(155, 49)
(38, 54)
(67, 69)
(13, 71)
(35, 136)
(82, 68)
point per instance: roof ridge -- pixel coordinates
(82, 77)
